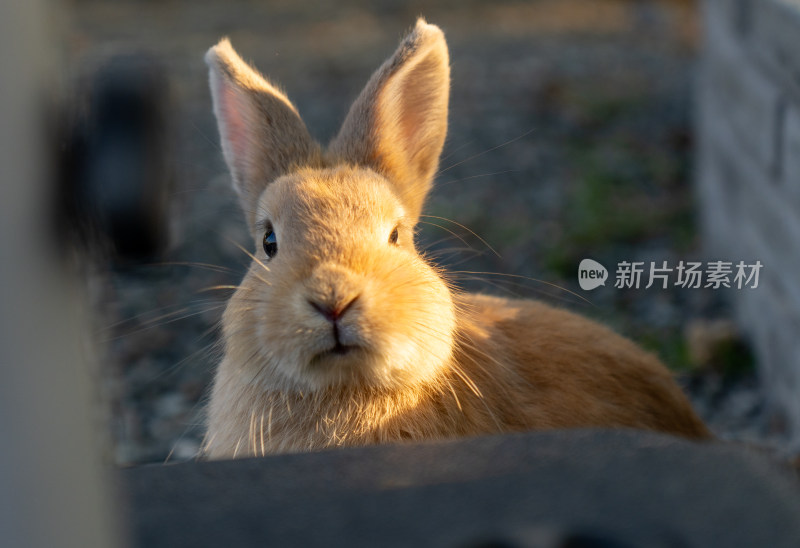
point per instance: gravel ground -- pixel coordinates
(570, 137)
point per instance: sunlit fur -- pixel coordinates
(424, 361)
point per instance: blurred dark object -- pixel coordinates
(116, 177)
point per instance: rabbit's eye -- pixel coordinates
(393, 236)
(270, 242)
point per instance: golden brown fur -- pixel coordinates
(346, 335)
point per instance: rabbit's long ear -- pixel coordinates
(261, 132)
(398, 124)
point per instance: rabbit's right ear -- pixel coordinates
(261, 133)
(398, 123)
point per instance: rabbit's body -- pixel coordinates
(342, 334)
(564, 371)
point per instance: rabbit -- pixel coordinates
(341, 333)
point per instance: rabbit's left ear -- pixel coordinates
(261, 133)
(398, 123)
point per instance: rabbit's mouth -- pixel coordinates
(337, 350)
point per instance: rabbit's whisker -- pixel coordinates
(166, 319)
(556, 286)
(451, 152)
(504, 172)
(206, 266)
(256, 259)
(447, 230)
(487, 151)
(484, 242)
(218, 288)
(208, 139)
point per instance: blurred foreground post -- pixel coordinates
(52, 489)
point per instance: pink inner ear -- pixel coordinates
(236, 130)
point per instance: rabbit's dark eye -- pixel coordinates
(393, 236)
(270, 242)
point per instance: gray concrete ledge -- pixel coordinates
(602, 488)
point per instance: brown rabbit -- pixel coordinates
(342, 334)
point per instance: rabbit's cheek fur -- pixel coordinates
(411, 324)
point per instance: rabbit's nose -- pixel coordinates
(332, 312)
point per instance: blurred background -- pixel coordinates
(571, 137)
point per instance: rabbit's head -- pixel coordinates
(337, 294)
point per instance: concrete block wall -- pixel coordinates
(748, 176)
